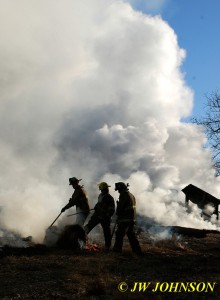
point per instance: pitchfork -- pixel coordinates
(55, 220)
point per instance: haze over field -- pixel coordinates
(94, 89)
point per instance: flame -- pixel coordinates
(92, 247)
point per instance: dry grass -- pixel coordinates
(42, 273)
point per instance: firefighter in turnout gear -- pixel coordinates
(78, 199)
(104, 209)
(126, 217)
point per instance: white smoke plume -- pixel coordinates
(94, 89)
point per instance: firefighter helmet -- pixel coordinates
(121, 186)
(103, 186)
(73, 180)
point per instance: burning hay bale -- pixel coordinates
(73, 237)
(51, 236)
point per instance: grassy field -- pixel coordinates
(38, 272)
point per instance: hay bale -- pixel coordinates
(72, 237)
(51, 236)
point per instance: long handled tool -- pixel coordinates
(55, 220)
(115, 224)
(113, 230)
(79, 212)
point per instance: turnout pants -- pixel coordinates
(126, 228)
(94, 221)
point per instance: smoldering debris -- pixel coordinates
(51, 236)
(193, 232)
(165, 237)
(13, 244)
(12, 239)
(72, 237)
(69, 237)
(116, 140)
(92, 247)
(160, 233)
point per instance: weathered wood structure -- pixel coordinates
(201, 198)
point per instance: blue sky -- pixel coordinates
(197, 25)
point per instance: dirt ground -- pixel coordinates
(38, 272)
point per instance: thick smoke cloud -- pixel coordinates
(94, 89)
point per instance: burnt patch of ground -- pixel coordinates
(28, 251)
(50, 273)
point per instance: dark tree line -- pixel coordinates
(211, 123)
